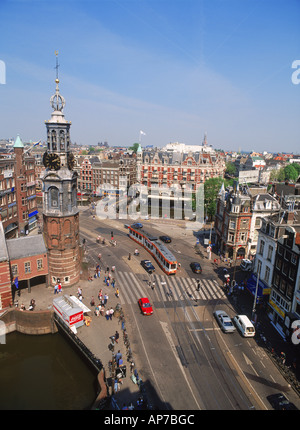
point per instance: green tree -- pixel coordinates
(291, 173)
(134, 147)
(230, 169)
(211, 189)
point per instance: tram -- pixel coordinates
(156, 248)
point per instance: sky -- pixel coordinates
(175, 69)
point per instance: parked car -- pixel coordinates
(147, 265)
(224, 321)
(280, 402)
(145, 306)
(165, 239)
(137, 225)
(196, 267)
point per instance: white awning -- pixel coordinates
(80, 304)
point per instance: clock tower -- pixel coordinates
(60, 212)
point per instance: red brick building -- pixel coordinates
(18, 206)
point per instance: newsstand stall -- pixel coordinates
(68, 310)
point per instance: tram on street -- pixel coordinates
(156, 248)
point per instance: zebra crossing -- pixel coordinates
(134, 286)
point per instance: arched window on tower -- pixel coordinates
(53, 196)
(53, 140)
(62, 140)
(74, 196)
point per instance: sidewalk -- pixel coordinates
(96, 336)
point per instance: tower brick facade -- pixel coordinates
(60, 213)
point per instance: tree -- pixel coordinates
(291, 173)
(211, 189)
(230, 169)
(134, 147)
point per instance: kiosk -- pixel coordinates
(69, 311)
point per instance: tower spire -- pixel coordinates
(57, 65)
(57, 101)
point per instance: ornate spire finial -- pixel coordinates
(57, 101)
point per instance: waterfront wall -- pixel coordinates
(29, 322)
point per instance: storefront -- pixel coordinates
(259, 288)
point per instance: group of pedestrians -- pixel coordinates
(57, 287)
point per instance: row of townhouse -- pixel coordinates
(18, 206)
(250, 222)
(276, 271)
(118, 173)
(173, 167)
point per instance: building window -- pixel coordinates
(261, 247)
(258, 267)
(39, 264)
(230, 237)
(276, 280)
(267, 274)
(270, 252)
(278, 263)
(14, 270)
(27, 267)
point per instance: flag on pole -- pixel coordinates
(16, 282)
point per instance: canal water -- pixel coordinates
(44, 373)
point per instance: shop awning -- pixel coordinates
(80, 304)
(262, 289)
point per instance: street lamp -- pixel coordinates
(256, 289)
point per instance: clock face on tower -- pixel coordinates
(51, 161)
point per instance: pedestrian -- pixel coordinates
(117, 293)
(117, 336)
(198, 285)
(283, 358)
(111, 312)
(113, 282)
(56, 289)
(107, 282)
(92, 301)
(59, 287)
(107, 314)
(107, 270)
(79, 292)
(118, 357)
(105, 279)
(100, 295)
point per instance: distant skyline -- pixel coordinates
(176, 69)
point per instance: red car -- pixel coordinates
(145, 306)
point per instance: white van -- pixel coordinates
(244, 325)
(246, 265)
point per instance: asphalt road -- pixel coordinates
(186, 361)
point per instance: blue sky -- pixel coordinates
(175, 69)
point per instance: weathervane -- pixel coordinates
(57, 101)
(57, 65)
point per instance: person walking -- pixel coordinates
(107, 313)
(111, 312)
(117, 293)
(117, 336)
(105, 298)
(118, 357)
(56, 289)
